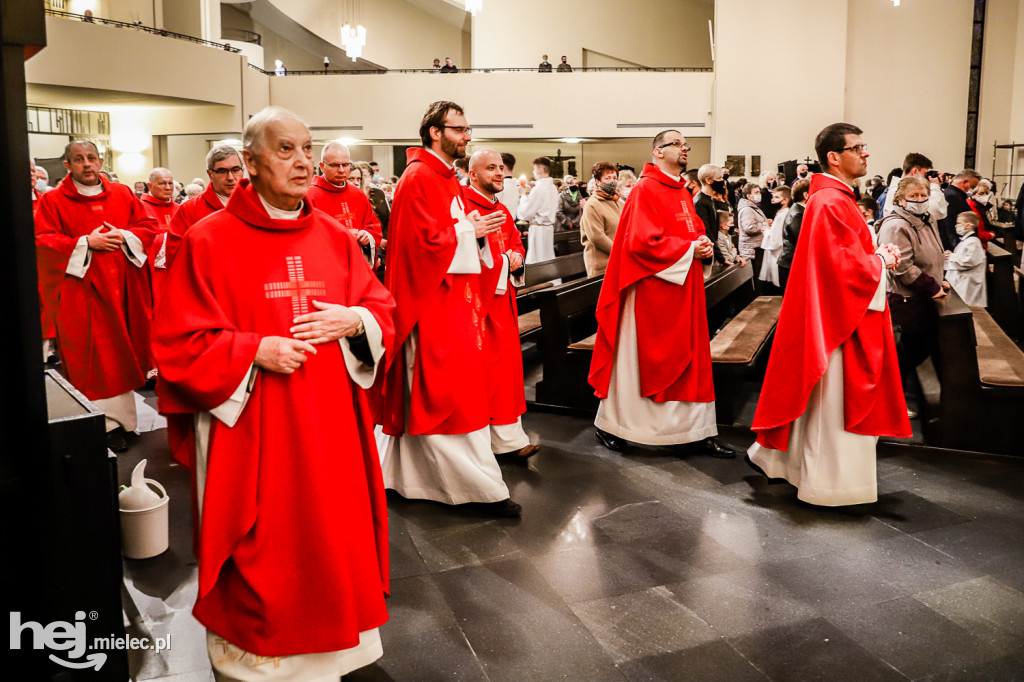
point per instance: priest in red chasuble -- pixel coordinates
(832, 386)
(346, 203)
(158, 201)
(436, 406)
(652, 357)
(501, 326)
(91, 241)
(268, 331)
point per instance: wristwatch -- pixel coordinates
(361, 329)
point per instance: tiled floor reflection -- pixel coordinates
(654, 566)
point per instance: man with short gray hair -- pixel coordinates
(270, 328)
(956, 200)
(332, 194)
(158, 201)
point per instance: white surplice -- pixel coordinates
(965, 271)
(231, 663)
(627, 414)
(772, 245)
(828, 465)
(450, 468)
(539, 208)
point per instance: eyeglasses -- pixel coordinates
(336, 166)
(856, 149)
(221, 172)
(682, 146)
(459, 130)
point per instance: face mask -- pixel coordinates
(609, 187)
(718, 186)
(918, 207)
(624, 192)
(802, 175)
(755, 197)
(964, 230)
(41, 185)
(771, 184)
(981, 199)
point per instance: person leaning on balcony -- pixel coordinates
(564, 66)
(545, 65)
(449, 67)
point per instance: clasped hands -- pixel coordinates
(330, 322)
(703, 248)
(890, 254)
(106, 237)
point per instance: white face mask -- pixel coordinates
(624, 191)
(982, 198)
(964, 230)
(756, 197)
(918, 207)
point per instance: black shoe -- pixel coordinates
(522, 453)
(712, 447)
(504, 508)
(116, 440)
(750, 463)
(611, 442)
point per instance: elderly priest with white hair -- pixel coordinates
(269, 328)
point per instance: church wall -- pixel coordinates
(907, 80)
(653, 33)
(185, 16)
(780, 76)
(399, 35)
(128, 11)
(370, 101)
(1002, 67)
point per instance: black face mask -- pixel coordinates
(718, 186)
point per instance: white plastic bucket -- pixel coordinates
(144, 531)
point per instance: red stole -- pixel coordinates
(657, 227)
(501, 326)
(834, 277)
(292, 541)
(449, 392)
(102, 320)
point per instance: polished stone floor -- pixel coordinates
(660, 566)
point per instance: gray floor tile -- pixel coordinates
(712, 662)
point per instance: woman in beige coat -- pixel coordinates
(600, 219)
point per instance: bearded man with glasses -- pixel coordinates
(832, 386)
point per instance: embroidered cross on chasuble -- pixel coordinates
(345, 216)
(686, 216)
(297, 288)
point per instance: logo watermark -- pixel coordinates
(71, 639)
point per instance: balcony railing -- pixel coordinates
(588, 69)
(140, 27)
(240, 35)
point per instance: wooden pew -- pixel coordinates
(568, 242)
(1003, 304)
(1006, 239)
(739, 353)
(568, 327)
(980, 383)
(540, 276)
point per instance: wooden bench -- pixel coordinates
(568, 242)
(568, 332)
(739, 352)
(541, 275)
(974, 390)
(1003, 304)
(1007, 239)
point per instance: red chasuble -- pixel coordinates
(102, 320)
(834, 277)
(161, 211)
(348, 205)
(292, 541)
(501, 326)
(657, 227)
(49, 285)
(449, 389)
(187, 215)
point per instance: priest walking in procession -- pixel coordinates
(832, 386)
(269, 329)
(501, 339)
(335, 196)
(651, 369)
(442, 274)
(91, 241)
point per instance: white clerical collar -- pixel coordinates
(88, 190)
(278, 213)
(677, 178)
(829, 175)
(341, 186)
(223, 199)
(490, 200)
(449, 165)
(545, 180)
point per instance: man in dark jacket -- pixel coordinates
(956, 198)
(791, 229)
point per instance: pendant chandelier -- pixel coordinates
(474, 6)
(353, 33)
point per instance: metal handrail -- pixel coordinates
(241, 35)
(355, 72)
(140, 27)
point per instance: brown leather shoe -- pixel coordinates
(523, 452)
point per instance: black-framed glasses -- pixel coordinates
(856, 149)
(682, 146)
(234, 170)
(461, 130)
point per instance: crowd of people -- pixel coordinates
(292, 305)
